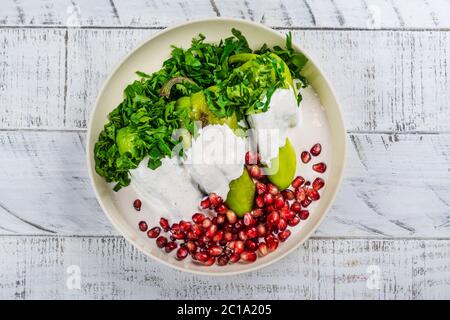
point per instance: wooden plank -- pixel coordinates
(32, 78)
(110, 268)
(395, 185)
(367, 14)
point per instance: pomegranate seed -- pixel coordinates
(256, 213)
(272, 189)
(143, 226)
(214, 199)
(221, 209)
(182, 253)
(210, 261)
(239, 225)
(191, 246)
(248, 219)
(296, 206)
(185, 226)
(268, 198)
(248, 256)
(294, 221)
(305, 203)
(218, 236)
(175, 228)
(227, 236)
(231, 217)
(235, 258)
(255, 172)
(272, 243)
(252, 232)
(207, 223)
(284, 235)
(259, 201)
(307, 183)
(279, 201)
(270, 208)
(154, 232)
(261, 230)
(164, 224)
(320, 167)
(137, 204)
(201, 256)
(242, 235)
(205, 203)
(238, 246)
(262, 249)
(198, 217)
(261, 188)
(215, 251)
(316, 149)
(170, 246)
(178, 235)
(300, 194)
(222, 260)
(251, 157)
(211, 231)
(313, 194)
(161, 242)
(297, 182)
(304, 214)
(288, 194)
(305, 156)
(282, 225)
(273, 218)
(197, 230)
(250, 245)
(221, 218)
(318, 184)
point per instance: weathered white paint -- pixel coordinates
(395, 185)
(36, 268)
(371, 14)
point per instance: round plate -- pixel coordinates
(148, 57)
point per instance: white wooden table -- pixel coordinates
(388, 233)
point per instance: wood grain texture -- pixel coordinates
(336, 14)
(395, 185)
(36, 268)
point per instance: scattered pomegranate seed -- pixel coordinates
(250, 245)
(261, 230)
(248, 219)
(305, 156)
(255, 172)
(318, 184)
(198, 218)
(238, 246)
(251, 157)
(210, 261)
(218, 236)
(207, 223)
(272, 243)
(272, 189)
(143, 226)
(279, 201)
(316, 149)
(215, 251)
(222, 260)
(201, 256)
(214, 199)
(268, 198)
(300, 194)
(235, 257)
(221, 219)
(261, 188)
(211, 231)
(221, 209)
(252, 232)
(164, 224)
(262, 249)
(231, 217)
(256, 213)
(161, 242)
(175, 228)
(273, 218)
(294, 221)
(182, 253)
(288, 194)
(242, 234)
(248, 256)
(296, 206)
(185, 226)
(137, 204)
(191, 246)
(227, 236)
(307, 183)
(304, 214)
(320, 167)
(259, 201)
(313, 194)
(170, 246)
(305, 203)
(154, 232)
(298, 182)
(284, 235)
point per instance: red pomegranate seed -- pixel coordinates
(215, 251)
(182, 253)
(222, 260)
(262, 249)
(300, 194)
(294, 221)
(214, 199)
(279, 201)
(210, 261)
(239, 225)
(238, 246)
(288, 194)
(255, 172)
(207, 223)
(248, 256)
(305, 156)
(227, 236)
(272, 243)
(304, 214)
(270, 208)
(231, 217)
(248, 219)
(175, 228)
(185, 226)
(154, 232)
(170, 246)
(256, 213)
(235, 258)
(205, 203)
(250, 245)
(282, 225)
(197, 230)
(313, 194)
(272, 189)
(242, 235)
(268, 198)
(198, 217)
(221, 219)
(164, 224)
(251, 157)
(143, 226)
(320, 167)
(261, 188)
(137, 204)
(218, 236)
(161, 242)
(273, 218)
(259, 201)
(178, 235)
(211, 231)
(305, 203)
(221, 209)
(307, 183)
(318, 184)
(296, 206)
(191, 246)
(298, 182)
(201, 256)
(316, 149)
(284, 235)
(261, 230)
(252, 232)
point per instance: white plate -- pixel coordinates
(148, 57)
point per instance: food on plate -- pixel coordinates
(207, 140)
